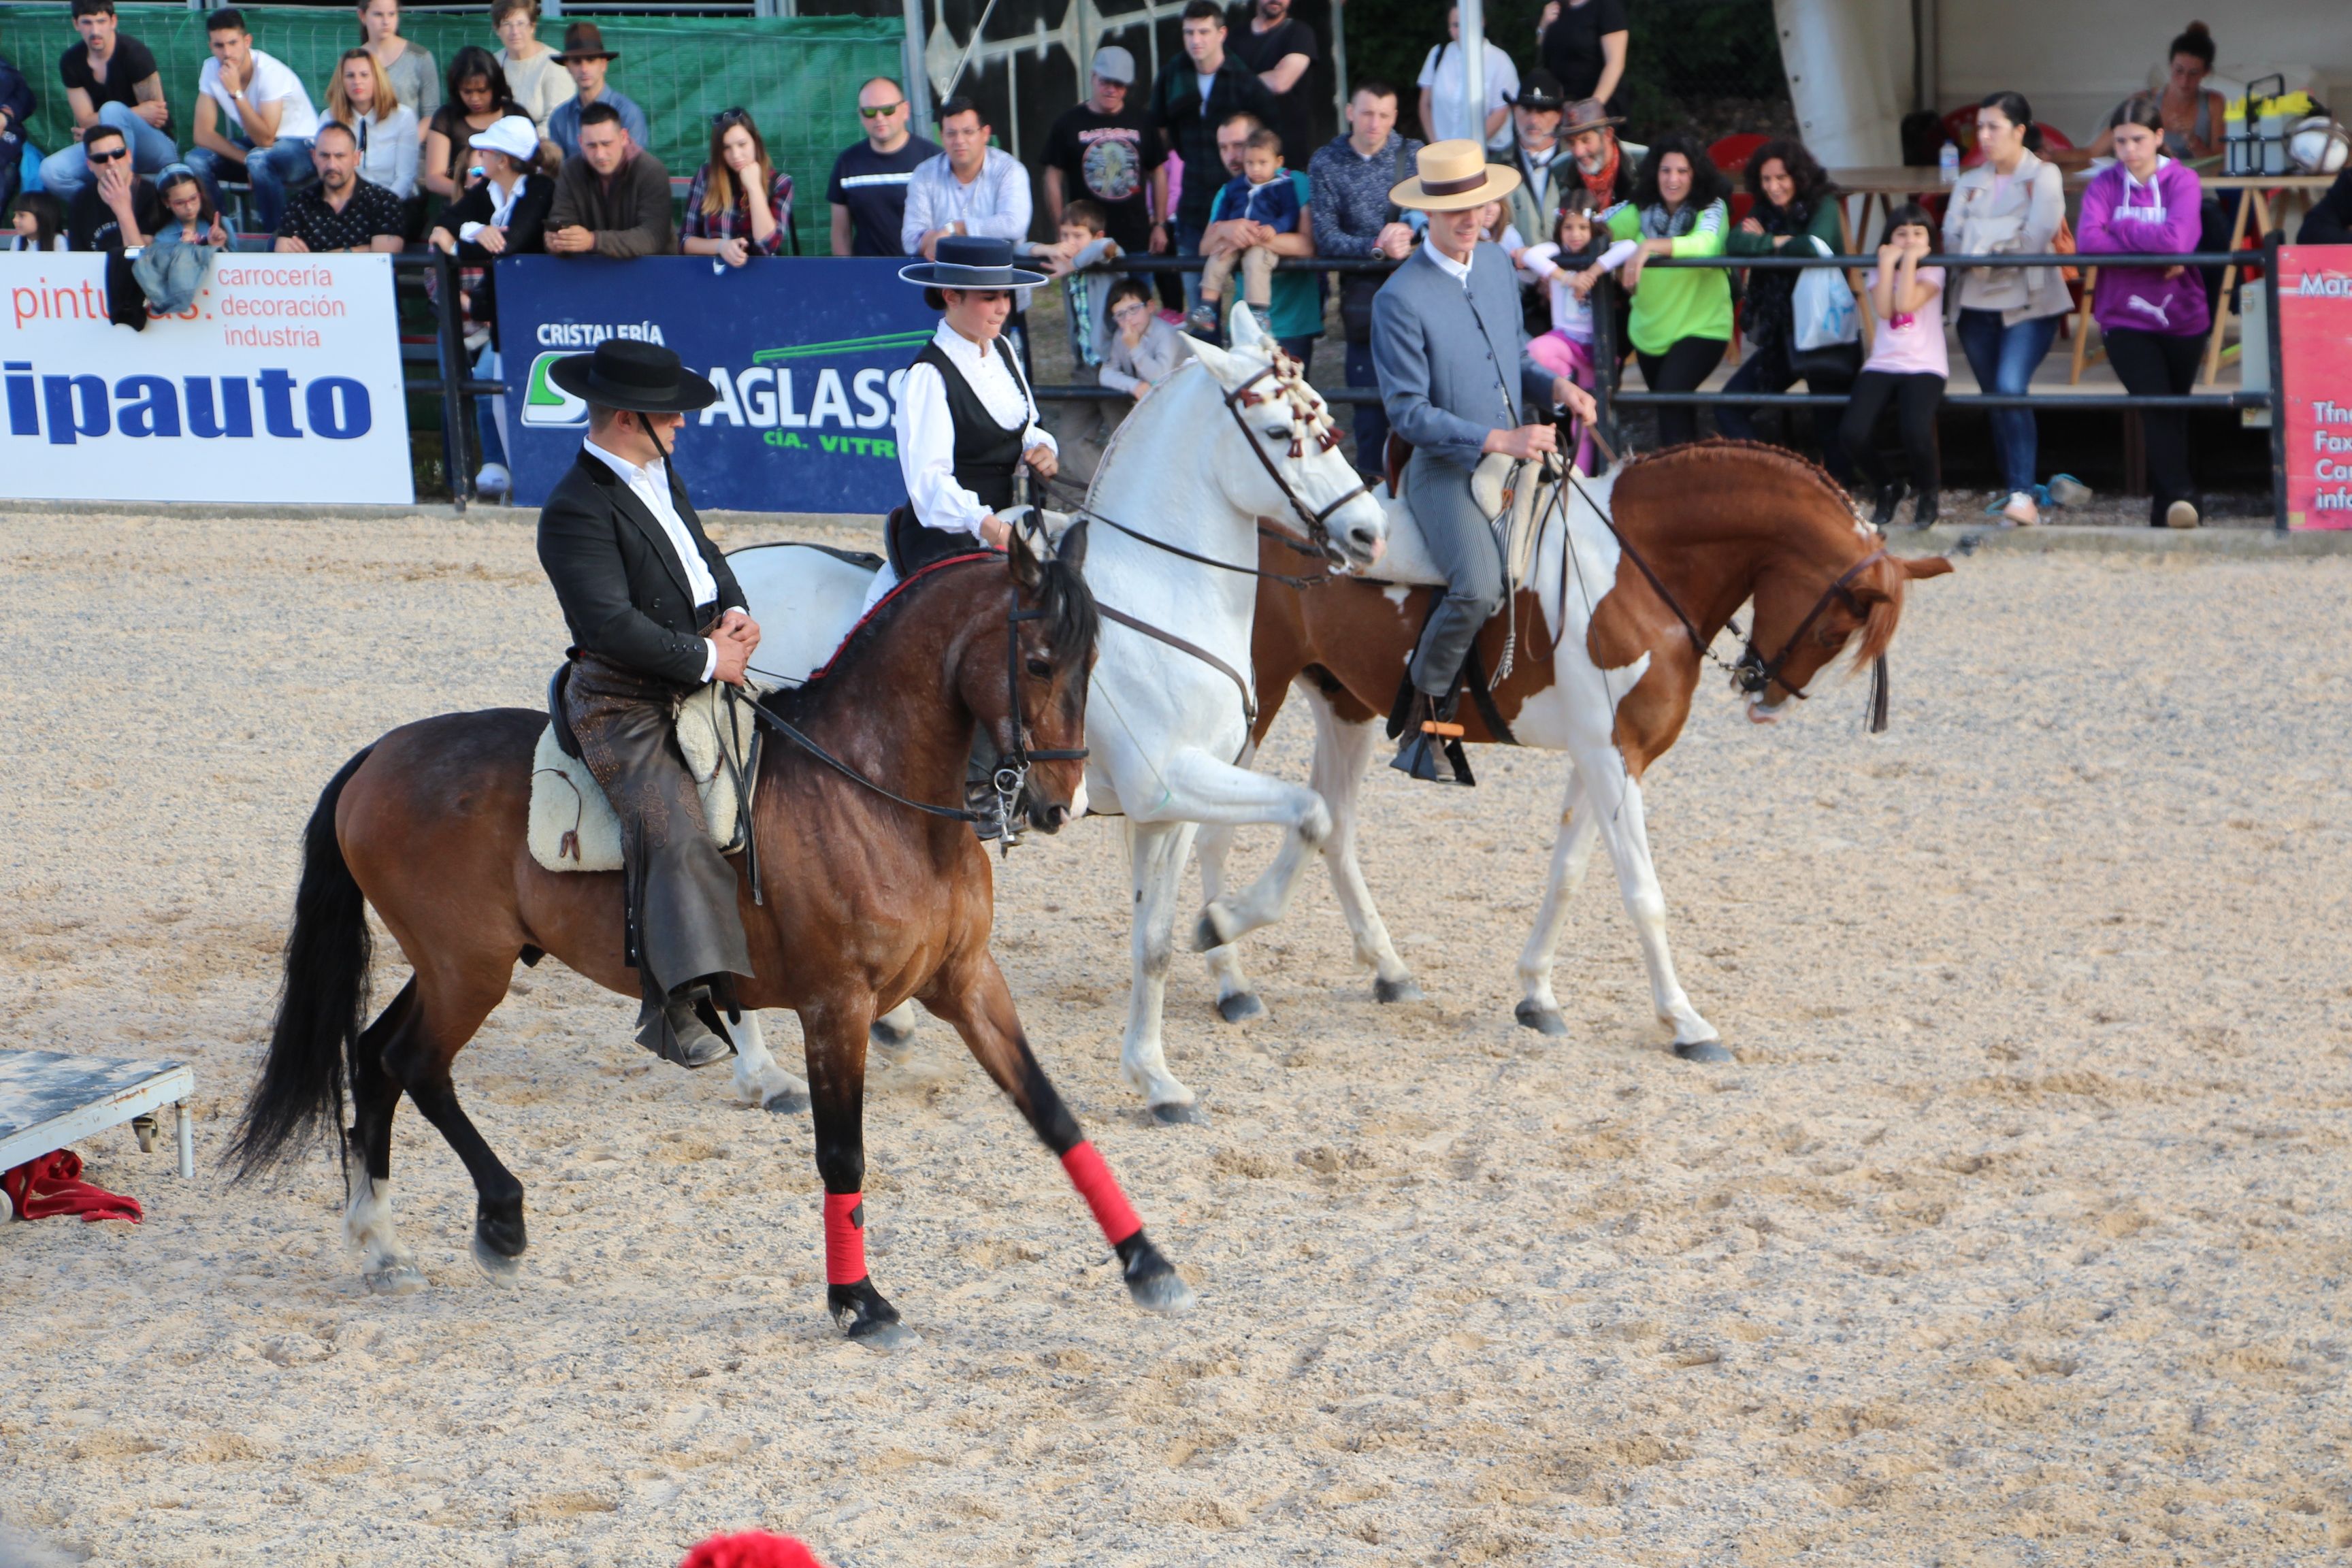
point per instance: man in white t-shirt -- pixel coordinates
(266, 136)
(1445, 93)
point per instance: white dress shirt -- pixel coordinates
(650, 485)
(388, 150)
(995, 205)
(926, 430)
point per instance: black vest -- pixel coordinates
(986, 456)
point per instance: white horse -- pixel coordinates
(1236, 437)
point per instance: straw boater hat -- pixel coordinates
(1454, 176)
(971, 262)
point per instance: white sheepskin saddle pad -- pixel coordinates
(573, 828)
(1512, 496)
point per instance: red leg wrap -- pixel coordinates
(845, 1237)
(1100, 1189)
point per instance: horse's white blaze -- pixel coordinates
(1078, 802)
(1577, 714)
(1163, 726)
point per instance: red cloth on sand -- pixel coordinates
(53, 1184)
(751, 1548)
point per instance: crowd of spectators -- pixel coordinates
(528, 148)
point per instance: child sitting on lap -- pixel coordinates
(1262, 193)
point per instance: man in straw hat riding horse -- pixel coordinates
(1458, 383)
(653, 612)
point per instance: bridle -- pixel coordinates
(1284, 372)
(1753, 674)
(1012, 775)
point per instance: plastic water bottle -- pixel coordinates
(1948, 163)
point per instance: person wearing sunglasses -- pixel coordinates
(119, 209)
(867, 191)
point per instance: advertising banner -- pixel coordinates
(281, 383)
(807, 356)
(2314, 334)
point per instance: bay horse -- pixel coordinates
(1235, 439)
(861, 902)
(1607, 658)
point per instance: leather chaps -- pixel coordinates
(684, 926)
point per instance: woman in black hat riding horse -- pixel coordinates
(966, 419)
(653, 612)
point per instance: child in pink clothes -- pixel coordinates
(1908, 365)
(1571, 263)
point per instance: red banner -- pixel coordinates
(2315, 336)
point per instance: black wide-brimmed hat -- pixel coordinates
(971, 262)
(1540, 89)
(638, 378)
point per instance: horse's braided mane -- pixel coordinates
(1071, 619)
(1797, 465)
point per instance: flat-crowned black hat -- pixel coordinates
(971, 262)
(639, 377)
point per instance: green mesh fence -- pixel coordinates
(798, 76)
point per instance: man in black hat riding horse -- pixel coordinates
(653, 612)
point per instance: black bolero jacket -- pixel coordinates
(622, 587)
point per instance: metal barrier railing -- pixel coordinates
(458, 388)
(433, 274)
(1610, 398)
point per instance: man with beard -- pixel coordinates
(1281, 49)
(1605, 164)
(341, 211)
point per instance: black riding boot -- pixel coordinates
(686, 1029)
(980, 787)
(1430, 733)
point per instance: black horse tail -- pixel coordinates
(320, 1008)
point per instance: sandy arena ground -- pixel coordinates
(2016, 1235)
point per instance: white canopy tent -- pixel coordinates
(1856, 66)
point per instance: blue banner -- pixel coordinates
(807, 356)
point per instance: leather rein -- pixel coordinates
(1753, 674)
(1012, 775)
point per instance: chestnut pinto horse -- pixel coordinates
(1721, 523)
(862, 903)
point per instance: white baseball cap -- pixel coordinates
(512, 134)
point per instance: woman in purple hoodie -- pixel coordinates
(2153, 318)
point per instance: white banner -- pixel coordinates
(280, 383)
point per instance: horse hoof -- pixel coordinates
(1405, 990)
(1241, 1006)
(865, 1319)
(889, 1036)
(1153, 1281)
(503, 1272)
(1703, 1051)
(786, 1102)
(395, 1280)
(883, 1334)
(1205, 936)
(1542, 1020)
(1185, 1113)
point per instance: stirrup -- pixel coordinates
(1434, 734)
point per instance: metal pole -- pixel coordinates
(1339, 62)
(455, 408)
(2278, 379)
(1604, 357)
(919, 85)
(1474, 65)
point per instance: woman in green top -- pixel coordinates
(1794, 202)
(1682, 316)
